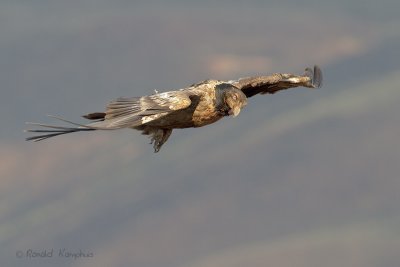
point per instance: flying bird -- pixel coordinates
(200, 104)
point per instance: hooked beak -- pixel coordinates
(235, 111)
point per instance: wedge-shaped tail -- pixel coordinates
(53, 130)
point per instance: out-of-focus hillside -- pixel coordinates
(303, 177)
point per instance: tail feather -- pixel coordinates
(54, 130)
(95, 116)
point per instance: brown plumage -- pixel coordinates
(195, 106)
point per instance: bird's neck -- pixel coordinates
(219, 103)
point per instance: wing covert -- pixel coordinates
(135, 111)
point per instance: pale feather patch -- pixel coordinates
(232, 81)
(293, 80)
(147, 119)
(175, 100)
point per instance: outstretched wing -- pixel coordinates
(279, 81)
(135, 111)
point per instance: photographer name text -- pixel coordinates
(54, 253)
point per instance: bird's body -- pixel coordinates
(195, 106)
(204, 108)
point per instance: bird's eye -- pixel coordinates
(234, 97)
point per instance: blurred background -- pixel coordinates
(301, 178)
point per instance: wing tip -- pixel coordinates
(317, 79)
(315, 76)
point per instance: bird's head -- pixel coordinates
(235, 100)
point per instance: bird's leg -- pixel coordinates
(159, 137)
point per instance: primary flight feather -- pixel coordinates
(195, 106)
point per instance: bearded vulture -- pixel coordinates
(198, 105)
